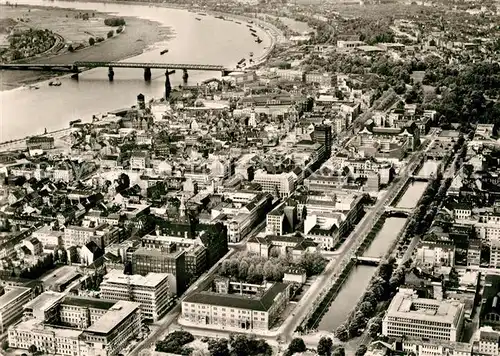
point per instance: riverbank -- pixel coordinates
(274, 33)
(138, 35)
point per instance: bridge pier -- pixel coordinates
(75, 71)
(185, 76)
(147, 74)
(168, 86)
(111, 74)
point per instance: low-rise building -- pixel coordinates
(40, 143)
(242, 312)
(432, 254)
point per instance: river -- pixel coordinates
(210, 41)
(360, 276)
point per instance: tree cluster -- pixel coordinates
(40, 267)
(239, 345)
(254, 269)
(296, 345)
(174, 343)
(114, 21)
(427, 209)
(465, 92)
(325, 346)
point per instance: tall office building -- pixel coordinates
(163, 260)
(323, 134)
(155, 291)
(434, 319)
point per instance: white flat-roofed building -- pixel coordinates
(409, 315)
(11, 305)
(107, 336)
(426, 347)
(58, 341)
(154, 291)
(42, 307)
(110, 334)
(283, 183)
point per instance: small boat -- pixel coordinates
(55, 83)
(197, 18)
(249, 26)
(258, 40)
(164, 51)
(71, 123)
(241, 60)
(202, 14)
(251, 54)
(254, 35)
(239, 23)
(252, 30)
(33, 87)
(220, 17)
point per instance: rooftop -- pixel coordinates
(34, 324)
(12, 294)
(263, 303)
(44, 301)
(89, 302)
(120, 311)
(150, 280)
(406, 305)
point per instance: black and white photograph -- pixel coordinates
(250, 177)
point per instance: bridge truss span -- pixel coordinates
(201, 67)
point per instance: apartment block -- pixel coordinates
(432, 254)
(282, 183)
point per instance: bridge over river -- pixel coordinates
(79, 66)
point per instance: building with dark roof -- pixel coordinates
(167, 259)
(490, 303)
(254, 308)
(40, 142)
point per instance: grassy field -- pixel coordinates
(61, 21)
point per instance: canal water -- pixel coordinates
(412, 195)
(360, 276)
(429, 169)
(211, 41)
